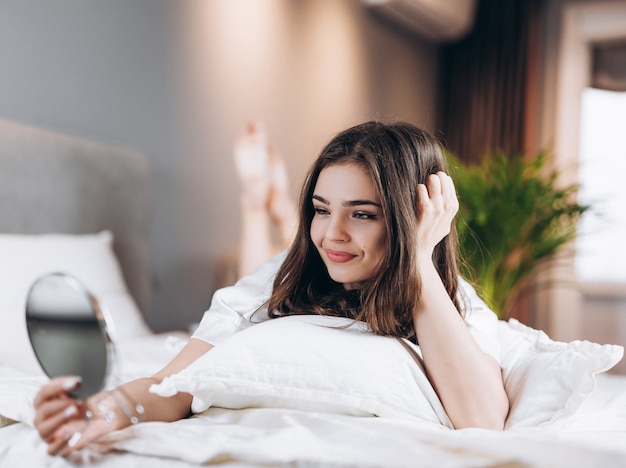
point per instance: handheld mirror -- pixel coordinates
(68, 332)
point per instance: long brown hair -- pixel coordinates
(397, 157)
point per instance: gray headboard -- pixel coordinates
(54, 183)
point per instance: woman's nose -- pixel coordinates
(336, 229)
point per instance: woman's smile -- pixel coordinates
(338, 256)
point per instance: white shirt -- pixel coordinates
(232, 309)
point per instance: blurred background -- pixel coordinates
(178, 80)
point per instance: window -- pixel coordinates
(601, 243)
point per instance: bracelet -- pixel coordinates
(109, 414)
(140, 412)
(120, 403)
(135, 414)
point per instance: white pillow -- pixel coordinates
(89, 258)
(300, 362)
(546, 380)
(308, 363)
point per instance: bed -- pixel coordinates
(70, 204)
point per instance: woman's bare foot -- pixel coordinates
(281, 207)
(251, 160)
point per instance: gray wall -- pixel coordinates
(178, 80)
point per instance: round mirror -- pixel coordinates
(67, 332)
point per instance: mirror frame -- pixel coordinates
(99, 317)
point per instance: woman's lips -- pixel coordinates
(339, 257)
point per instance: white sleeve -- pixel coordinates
(232, 307)
(481, 321)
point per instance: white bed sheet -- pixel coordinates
(594, 436)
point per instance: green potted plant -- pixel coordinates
(513, 215)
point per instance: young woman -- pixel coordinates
(376, 243)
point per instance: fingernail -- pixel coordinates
(71, 383)
(74, 439)
(70, 411)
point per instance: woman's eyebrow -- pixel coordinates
(361, 202)
(348, 203)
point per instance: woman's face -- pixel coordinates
(348, 228)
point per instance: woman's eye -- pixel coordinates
(320, 211)
(362, 215)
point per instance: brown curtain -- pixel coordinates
(489, 80)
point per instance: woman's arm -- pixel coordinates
(61, 420)
(158, 408)
(468, 381)
(67, 424)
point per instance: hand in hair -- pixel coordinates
(437, 205)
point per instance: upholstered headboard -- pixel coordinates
(54, 183)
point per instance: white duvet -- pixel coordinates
(594, 435)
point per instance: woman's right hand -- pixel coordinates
(437, 207)
(65, 423)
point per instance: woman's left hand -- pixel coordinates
(437, 205)
(67, 424)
